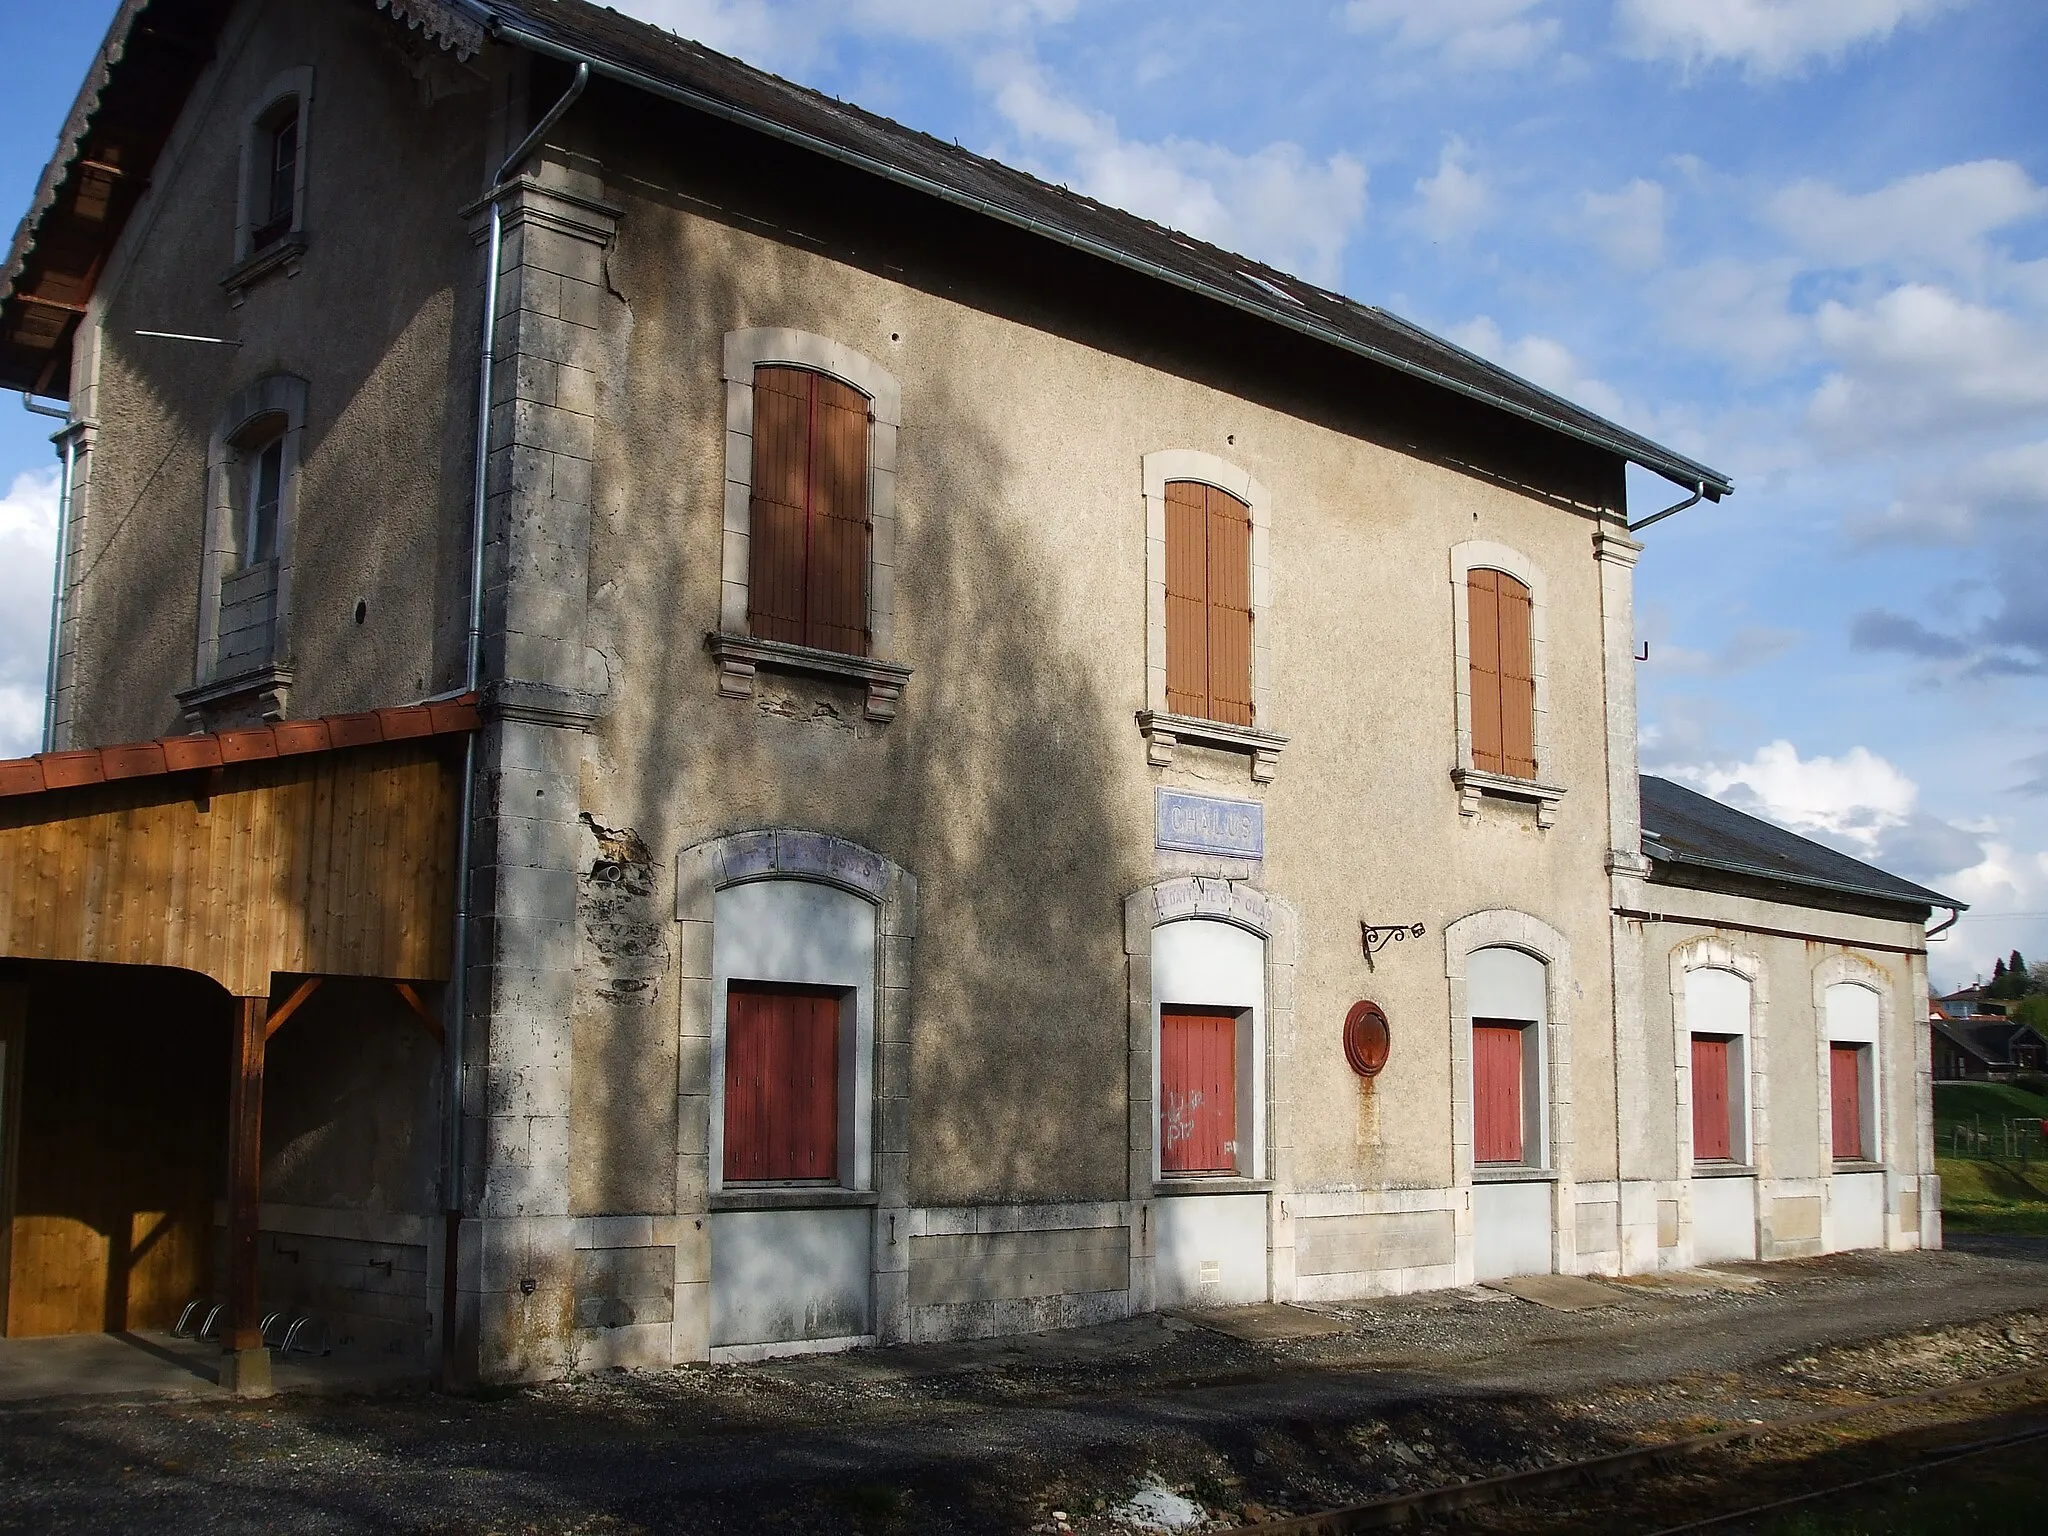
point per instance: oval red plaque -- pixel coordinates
(1366, 1038)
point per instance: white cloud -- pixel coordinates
(1937, 221)
(1918, 359)
(1455, 201)
(749, 29)
(787, 34)
(1753, 645)
(1628, 225)
(1472, 34)
(1765, 37)
(1855, 797)
(1540, 360)
(1275, 203)
(1740, 310)
(2007, 483)
(28, 541)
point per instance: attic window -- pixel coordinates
(273, 193)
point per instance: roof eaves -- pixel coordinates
(1595, 430)
(1917, 896)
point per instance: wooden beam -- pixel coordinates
(244, 1331)
(426, 1015)
(291, 1005)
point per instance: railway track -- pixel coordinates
(1399, 1509)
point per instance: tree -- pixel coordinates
(1997, 987)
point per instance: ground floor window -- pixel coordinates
(782, 1083)
(1848, 1066)
(1198, 1065)
(1714, 1062)
(1497, 1112)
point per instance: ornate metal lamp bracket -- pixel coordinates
(1378, 937)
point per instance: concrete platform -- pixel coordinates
(156, 1366)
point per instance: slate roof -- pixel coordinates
(1991, 1041)
(1683, 827)
(224, 749)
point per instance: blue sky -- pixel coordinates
(1803, 240)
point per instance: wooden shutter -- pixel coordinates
(1503, 679)
(1517, 680)
(1197, 1091)
(1712, 1129)
(781, 1083)
(807, 558)
(1497, 1092)
(1845, 1083)
(1208, 604)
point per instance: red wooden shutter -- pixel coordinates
(781, 1083)
(838, 584)
(1187, 599)
(1497, 1093)
(1197, 1092)
(807, 558)
(1712, 1129)
(1517, 680)
(1482, 590)
(1208, 603)
(1845, 1075)
(779, 510)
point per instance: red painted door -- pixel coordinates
(1845, 1073)
(1712, 1129)
(1197, 1091)
(781, 1083)
(1497, 1093)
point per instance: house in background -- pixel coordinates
(792, 738)
(1986, 1047)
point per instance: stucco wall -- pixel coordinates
(379, 319)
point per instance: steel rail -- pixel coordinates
(1400, 1508)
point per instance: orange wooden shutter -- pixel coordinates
(1230, 608)
(1187, 599)
(1712, 1131)
(837, 617)
(807, 560)
(781, 1083)
(1845, 1083)
(779, 510)
(1197, 1092)
(1496, 1093)
(1482, 590)
(1517, 681)
(1208, 604)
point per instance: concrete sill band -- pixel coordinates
(798, 1198)
(1475, 783)
(1723, 1171)
(1166, 1189)
(739, 656)
(1511, 1173)
(283, 255)
(1164, 732)
(1855, 1165)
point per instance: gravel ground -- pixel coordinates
(1016, 1434)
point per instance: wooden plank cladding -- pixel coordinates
(336, 863)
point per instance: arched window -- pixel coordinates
(274, 163)
(809, 523)
(1208, 603)
(1503, 674)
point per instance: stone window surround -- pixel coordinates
(1852, 970)
(1711, 951)
(1749, 968)
(704, 869)
(1475, 783)
(1506, 928)
(1163, 730)
(1273, 920)
(250, 266)
(276, 394)
(737, 654)
(1251, 1076)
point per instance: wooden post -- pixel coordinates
(245, 1363)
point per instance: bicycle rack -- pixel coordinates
(182, 1328)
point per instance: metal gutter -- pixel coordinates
(1615, 439)
(1929, 899)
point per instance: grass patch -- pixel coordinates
(1988, 1101)
(1982, 1196)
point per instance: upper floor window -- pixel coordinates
(263, 457)
(807, 568)
(1208, 603)
(274, 197)
(1503, 675)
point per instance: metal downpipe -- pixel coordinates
(458, 1009)
(67, 450)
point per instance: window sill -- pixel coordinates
(265, 690)
(1511, 1173)
(739, 656)
(791, 1197)
(1476, 783)
(1723, 1171)
(283, 255)
(1210, 1184)
(1164, 732)
(1856, 1165)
